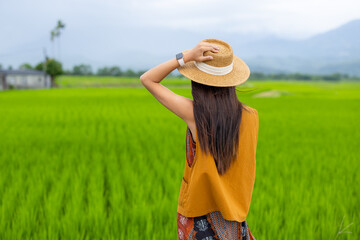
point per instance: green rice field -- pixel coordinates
(107, 163)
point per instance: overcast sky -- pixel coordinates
(26, 23)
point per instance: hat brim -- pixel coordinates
(237, 76)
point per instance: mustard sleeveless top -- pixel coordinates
(203, 190)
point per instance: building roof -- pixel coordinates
(21, 72)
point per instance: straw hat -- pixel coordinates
(224, 70)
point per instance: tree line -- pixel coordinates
(54, 69)
(301, 76)
(115, 71)
(86, 70)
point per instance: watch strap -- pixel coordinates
(180, 59)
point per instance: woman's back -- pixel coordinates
(204, 190)
(212, 221)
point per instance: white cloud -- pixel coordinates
(292, 19)
(287, 18)
(25, 25)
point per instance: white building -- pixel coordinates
(23, 79)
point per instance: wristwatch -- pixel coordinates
(180, 59)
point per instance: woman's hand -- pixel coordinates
(197, 53)
(158, 73)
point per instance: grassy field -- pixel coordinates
(107, 163)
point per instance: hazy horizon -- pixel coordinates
(96, 30)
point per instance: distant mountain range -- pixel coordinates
(334, 51)
(337, 50)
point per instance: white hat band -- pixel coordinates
(214, 70)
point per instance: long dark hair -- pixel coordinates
(217, 112)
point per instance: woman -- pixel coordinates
(221, 139)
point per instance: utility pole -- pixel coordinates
(44, 67)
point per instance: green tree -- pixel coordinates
(52, 67)
(332, 77)
(82, 69)
(130, 73)
(55, 33)
(110, 71)
(300, 76)
(26, 66)
(141, 72)
(115, 71)
(104, 71)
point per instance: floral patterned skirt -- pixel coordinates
(210, 227)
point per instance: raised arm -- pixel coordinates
(181, 106)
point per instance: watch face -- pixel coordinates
(179, 56)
